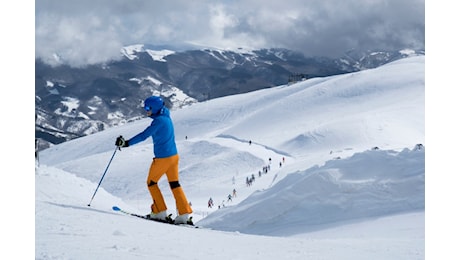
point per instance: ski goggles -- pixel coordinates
(147, 108)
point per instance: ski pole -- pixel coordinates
(89, 204)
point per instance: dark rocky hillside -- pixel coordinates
(73, 102)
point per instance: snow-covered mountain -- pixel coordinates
(346, 177)
(73, 102)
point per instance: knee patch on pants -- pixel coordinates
(151, 183)
(174, 184)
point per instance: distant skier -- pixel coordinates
(165, 161)
(210, 203)
(37, 160)
(36, 148)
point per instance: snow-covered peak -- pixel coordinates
(157, 55)
(131, 50)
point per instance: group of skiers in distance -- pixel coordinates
(249, 181)
(222, 205)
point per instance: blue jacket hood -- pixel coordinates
(163, 112)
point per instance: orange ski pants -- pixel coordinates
(170, 166)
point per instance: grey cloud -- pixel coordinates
(84, 32)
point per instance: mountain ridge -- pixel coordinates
(74, 102)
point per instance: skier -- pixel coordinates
(210, 203)
(37, 160)
(36, 149)
(166, 160)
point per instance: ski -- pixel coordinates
(169, 220)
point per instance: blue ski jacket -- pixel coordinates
(162, 132)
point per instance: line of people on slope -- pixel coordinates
(265, 169)
(229, 199)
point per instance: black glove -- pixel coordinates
(121, 142)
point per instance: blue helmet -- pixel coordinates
(154, 104)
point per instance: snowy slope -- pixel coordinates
(334, 197)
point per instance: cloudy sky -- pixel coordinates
(92, 31)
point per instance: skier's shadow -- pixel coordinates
(80, 207)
